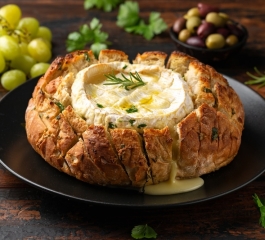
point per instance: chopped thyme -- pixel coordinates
(60, 106)
(125, 66)
(131, 121)
(99, 105)
(128, 83)
(87, 58)
(207, 90)
(214, 133)
(112, 125)
(132, 109)
(141, 125)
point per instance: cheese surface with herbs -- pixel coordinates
(130, 96)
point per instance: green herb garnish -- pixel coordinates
(87, 58)
(129, 19)
(256, 79)
(143, 231)
(131, 121)
(106, 5)
(112, 125)
(141, 125)
(99, 105)
(261, 205)
(214, 133)
(88, 35)
(207, 90)
(132, 109)
(60, 106)
(128, 83)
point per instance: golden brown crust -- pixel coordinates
(205, 140)
(129, 147)
(103, 155)
(158, 146)
(151, 58)
(111, 55)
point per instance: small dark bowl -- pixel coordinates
(210, 55)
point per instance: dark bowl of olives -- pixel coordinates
(208, 34)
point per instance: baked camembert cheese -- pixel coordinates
(150, 124)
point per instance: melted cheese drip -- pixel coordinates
(174, 186)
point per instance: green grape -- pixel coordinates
(30, 24)
(12, 79)
(48, 43)
(4, 26)
(2, 63)
(23, 63)
(39, 69)
(9, 47)
(20, 35)
(39, 50)
(23, 48)
(12, 13)
(44, 32)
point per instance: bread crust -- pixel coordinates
(205, 140)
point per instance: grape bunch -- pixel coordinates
(25, 47)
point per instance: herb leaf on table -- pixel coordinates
(143, 231)
(88, 34)
(106, 5)
(261, 205)
(259, 78)
(129, 19)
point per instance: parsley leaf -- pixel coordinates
(106, 5)
(143, 125)
(261, 205)
(132, 109)
(60, 106)
(129, 19)
(131, 121)
(143, 231)
(91, 34)
(128, 14)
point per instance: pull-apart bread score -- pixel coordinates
(107, 121)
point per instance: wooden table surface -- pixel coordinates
(30, 213)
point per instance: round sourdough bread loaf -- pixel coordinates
(109, 121)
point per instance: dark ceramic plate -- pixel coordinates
(17, 156)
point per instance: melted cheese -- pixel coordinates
(174, 186)
(163, 101)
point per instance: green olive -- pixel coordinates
(224, 16)
(192, 23)
(215, 41)
(231, 40)
(184, 34)
(215, 18)
(193, 12)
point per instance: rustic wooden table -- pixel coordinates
(30, 213)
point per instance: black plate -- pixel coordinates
(17, 156)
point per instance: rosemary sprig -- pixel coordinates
(132, 82)
(259, 79)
